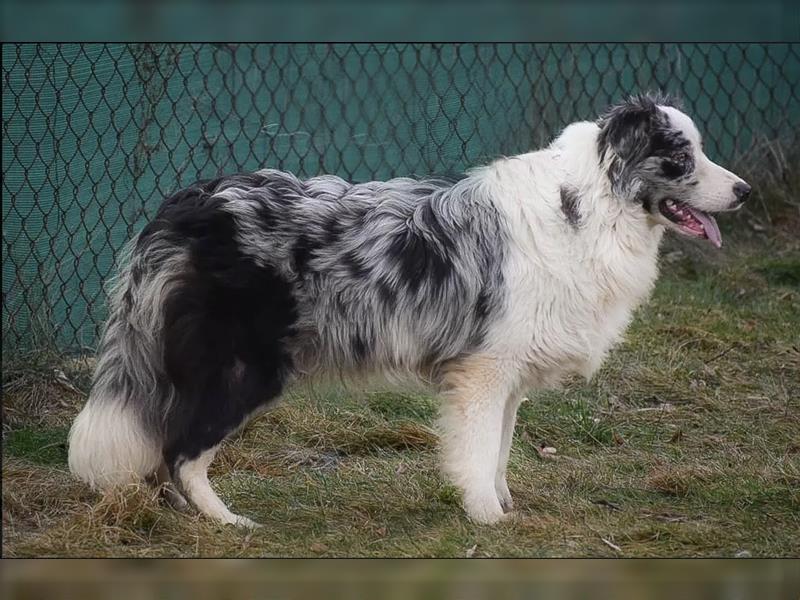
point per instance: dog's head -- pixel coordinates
(654, 156)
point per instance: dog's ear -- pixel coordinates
(627, 128)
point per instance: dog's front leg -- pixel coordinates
(509, 420)
(472, 426)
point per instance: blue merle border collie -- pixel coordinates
(508, 279)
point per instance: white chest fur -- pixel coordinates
(572, 288)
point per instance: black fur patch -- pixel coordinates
(355, 265)
(418, 259)
(570, 205)
(333, 230)
(303, 251)
(225, 326)
(625, 129)
(358, 347)
(175, 208)
(672, 145)
(422, 256)
(428, 217)
(482, 305)
(665, 141)
(387, 294)
(637, 129)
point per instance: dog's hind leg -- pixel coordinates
(189, 455)
(168, 488)
(228, 399)
(192, 476)
(472, 422)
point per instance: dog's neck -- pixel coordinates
(604, 211)
(619, 240)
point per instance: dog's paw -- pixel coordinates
(245, 523)
(175, 499)
(484, 509)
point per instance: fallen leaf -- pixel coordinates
(319, 547)
(63, 380)
(546, 451)
(471, 551)
(677, 436)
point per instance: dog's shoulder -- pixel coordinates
(576, 135)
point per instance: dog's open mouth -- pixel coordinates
(691, 221)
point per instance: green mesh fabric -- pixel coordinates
(94, 136)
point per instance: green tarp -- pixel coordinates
(94, 136)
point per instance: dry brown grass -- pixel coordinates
(677, 481)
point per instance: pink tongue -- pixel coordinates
(710, 225)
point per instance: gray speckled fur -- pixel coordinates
(360, 304)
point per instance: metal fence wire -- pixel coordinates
(94, 136)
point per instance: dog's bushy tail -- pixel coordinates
(118, 436)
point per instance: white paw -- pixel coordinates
(504, 496)
(245, 523)
(483, 508)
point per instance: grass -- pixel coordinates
(685, 444)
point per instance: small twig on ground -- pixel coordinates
(611, 545)
(721, 354)
(607, 504)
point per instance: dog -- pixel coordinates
(504, 280)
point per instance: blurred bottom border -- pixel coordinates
(283, 579)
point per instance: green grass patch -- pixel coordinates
(781, 272)
(39, 446)
(403, 406)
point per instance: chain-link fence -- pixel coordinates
(94, 136)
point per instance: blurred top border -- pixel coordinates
(414, 20)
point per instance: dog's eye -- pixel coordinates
(674, 168)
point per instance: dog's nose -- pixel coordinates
(741, 190)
